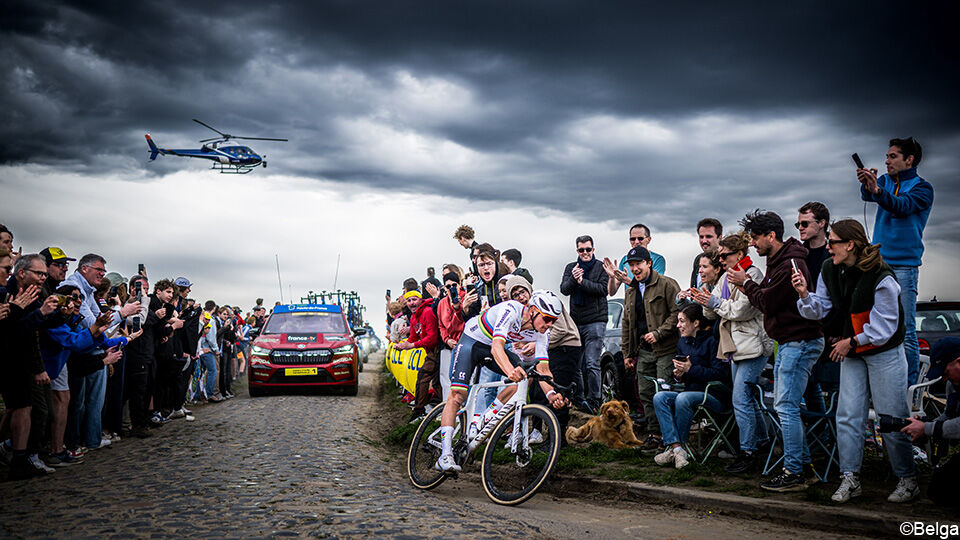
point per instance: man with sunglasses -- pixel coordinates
(585, 282)
(57, 265)
(484, 337)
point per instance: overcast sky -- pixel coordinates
(532, 121)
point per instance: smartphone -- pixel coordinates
(856, 159)
(388, 293)
(62, 299)
(3, 297)
(135, 325)
(142, 270)
(793, 263)
(138, 287)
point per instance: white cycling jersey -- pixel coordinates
(503, 321)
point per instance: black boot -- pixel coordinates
(743, 463)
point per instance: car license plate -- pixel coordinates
(300, 371)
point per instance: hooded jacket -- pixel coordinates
(742, 336)
(424, 330)
(59, 341)
(776, 298)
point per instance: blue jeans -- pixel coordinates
(209, 364)
(885, 374)
(753, 429)
(795, 360)
(675, 413)
(90, 407)
(591, 338)
(907, 277)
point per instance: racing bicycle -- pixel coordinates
(512, 468)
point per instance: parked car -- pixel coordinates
(304, 346)
(936, 320)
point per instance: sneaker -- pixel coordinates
(189, 417)
(103, 444)
(849, 488)
(652, 443)
(743, 463)
(76, 453)
(65, 459)
(907, 490)
(176, 414)
(21, 469)
(665, 458)
(157, 419)
(680, 461)
(141, 432)
(52, 461)
(785, 481)
(114, 437)
(186, 410)
(35, 461)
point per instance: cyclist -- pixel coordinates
(484, 336)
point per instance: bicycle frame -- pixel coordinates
(517, 401)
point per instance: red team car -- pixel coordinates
(304, 346)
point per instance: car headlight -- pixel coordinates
(260, 350)
(346, 349)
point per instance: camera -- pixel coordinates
(892, 424)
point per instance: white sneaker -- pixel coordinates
(680, 460)
(189, 417)
(34, 460)
(103, 444)
(666, 457)
(176, 414)
(446, 463)
(849, 488)
(907, 490)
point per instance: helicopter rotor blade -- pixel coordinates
(213, 128)
(211, 139)
(260, 138)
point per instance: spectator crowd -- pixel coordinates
(833, 313)
(91, 357)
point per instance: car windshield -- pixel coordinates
(305, 323)
(940, 320)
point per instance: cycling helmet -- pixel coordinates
(546, 303)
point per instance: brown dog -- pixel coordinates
(612, 427)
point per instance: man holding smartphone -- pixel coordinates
(904, 201)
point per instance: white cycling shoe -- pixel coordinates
(446, 463)
(535, 438)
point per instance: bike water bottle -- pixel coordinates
(474, 426)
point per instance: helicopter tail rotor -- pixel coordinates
(153, 147)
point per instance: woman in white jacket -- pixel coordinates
(743, 341)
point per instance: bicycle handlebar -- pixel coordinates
(565, 391)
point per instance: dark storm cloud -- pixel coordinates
(571, 106)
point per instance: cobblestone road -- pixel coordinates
(298, 466)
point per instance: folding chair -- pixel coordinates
(821, 427)
(722, 423)
(773, 461)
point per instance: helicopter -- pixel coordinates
(226, 157)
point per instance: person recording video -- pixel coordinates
(944, 362)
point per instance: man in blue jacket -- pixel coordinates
(904, 201)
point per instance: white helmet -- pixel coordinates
(546, 302)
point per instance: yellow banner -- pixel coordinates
(405, 365)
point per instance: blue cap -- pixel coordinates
(182, 282)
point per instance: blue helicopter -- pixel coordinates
(226, 157)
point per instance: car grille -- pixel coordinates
(312, 356)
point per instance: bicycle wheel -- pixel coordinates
(425, 450)
(510, 478)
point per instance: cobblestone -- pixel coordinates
(278, 466)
